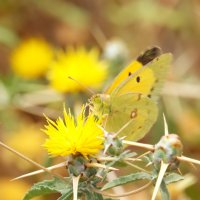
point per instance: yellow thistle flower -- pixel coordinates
(67, 137)
(31, 58)
(80, 64)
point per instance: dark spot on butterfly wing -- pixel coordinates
(138, 79)
(149, 95)
(139, 97)
(129, 74)
(149, 55)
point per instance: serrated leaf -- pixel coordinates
(48, 187)
(41, 188)
(98, 196)
(93, 195)
(127, 179)
(66, 196)
(173, 177)
(164, 191)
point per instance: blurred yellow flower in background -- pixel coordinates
(31, 58)
(27, 140)
(80, 64)
(68, 136)
(13, 190)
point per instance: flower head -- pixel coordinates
(31, 58)
(79, 64)
(69, 136)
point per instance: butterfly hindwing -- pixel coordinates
(140, 110)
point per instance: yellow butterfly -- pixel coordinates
(131, 100)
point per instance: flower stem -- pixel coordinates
(189, 160)
(137, 144)
(125, 194)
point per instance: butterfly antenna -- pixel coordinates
(82, 85)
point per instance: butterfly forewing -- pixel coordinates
(147, 80)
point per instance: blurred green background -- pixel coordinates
(120, 30)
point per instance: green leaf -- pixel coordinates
(66, 196)
(110, 199)
(93, 195)
(127, 179)
(173, 177)
(164, 191)
(48, 187)
(88, 195)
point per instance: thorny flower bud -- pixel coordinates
(114, 144)
(167, 150)
(77, 166)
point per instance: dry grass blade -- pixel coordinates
(40, 171)
(25, 158)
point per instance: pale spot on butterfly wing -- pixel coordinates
(146, 118)
(134, 114)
